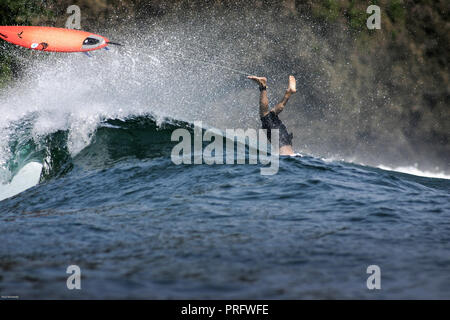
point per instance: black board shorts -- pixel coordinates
(271, 121)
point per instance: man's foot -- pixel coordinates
(262, 81)
(292, 88)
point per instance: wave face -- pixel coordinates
(112, 140)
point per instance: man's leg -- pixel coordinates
(292, 88)
(263, 100)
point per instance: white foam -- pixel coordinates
(412, 170)
(416, 172)
(27, 177)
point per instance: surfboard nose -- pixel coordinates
(94, 41)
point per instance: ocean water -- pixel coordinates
(142, 227)
(86, 179)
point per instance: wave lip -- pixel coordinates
(416, 172)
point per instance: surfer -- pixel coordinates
(270, 118)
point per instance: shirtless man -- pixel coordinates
(270, 118)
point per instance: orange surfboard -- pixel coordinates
(52, 39)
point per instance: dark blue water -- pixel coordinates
(139, 226)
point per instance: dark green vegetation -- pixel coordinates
(380, 91)
(16, 12)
